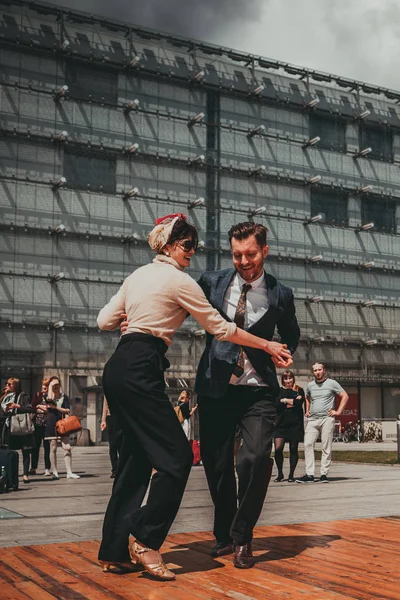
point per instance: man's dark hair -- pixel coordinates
(183, 230)
(242, 231)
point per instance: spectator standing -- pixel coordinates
(14, 401)
(321, 396)
(114, 433)
(187, 412)
(39, 405)
(57, 406)
(290, 424)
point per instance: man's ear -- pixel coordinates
(265, 251)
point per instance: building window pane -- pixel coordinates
(91, 82)
(331, 130)
(380, 211)
(331, 205)
(379, 139)
(84, 171)
(391, 403)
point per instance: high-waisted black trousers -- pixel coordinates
(134, 386)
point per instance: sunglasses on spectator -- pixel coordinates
(187, 245)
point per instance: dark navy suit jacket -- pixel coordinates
(219, 358)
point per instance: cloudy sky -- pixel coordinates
(359, 39)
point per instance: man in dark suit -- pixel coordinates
(238, 387)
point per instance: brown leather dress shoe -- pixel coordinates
(222, 549)
(243, 558)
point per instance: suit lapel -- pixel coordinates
(273, 293)
(221, 288)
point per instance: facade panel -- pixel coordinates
(145, 127)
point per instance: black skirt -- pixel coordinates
(290, 421)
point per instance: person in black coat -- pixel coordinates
(238, 387)
(14, 401)
(289, 424)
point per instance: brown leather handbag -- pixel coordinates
(68, 425)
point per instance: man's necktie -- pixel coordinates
(239, 320)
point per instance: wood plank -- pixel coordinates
(335, 560)
(10, 592)
(34, 592)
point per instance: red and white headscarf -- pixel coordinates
(160, 234)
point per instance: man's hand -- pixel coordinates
(282, 364)
(124, 323)
(307, 414)
(334, 413)
(280, 355)
(103, 425)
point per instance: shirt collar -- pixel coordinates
(254, 284)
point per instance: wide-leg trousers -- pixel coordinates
(133, 382)
(114, 434)
(253, 409)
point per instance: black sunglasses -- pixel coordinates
(188, 245)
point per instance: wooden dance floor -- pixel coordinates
(335, 560)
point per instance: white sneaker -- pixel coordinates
(73, 476)
(47, 473)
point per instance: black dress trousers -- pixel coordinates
(114, 441)
(253, 409)
(134, 386)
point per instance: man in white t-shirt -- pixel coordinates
(321, 397)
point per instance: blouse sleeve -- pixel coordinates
(191, 297)
(109, 317)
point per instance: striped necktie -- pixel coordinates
(239, 320)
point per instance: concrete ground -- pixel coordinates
(72, 510)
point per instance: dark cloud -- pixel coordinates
(190, 18)
(359, 40)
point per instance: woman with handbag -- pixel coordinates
(57, 405)
(39, 405)
(18, 432)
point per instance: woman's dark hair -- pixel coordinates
(241, 231)
(183, 230)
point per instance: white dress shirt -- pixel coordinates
(257, 304)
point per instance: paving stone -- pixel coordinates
(68, 510)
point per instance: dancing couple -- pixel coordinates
(240, 308)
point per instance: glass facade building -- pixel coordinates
(106, 126)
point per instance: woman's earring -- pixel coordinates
(167, 254)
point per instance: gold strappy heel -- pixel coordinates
(158, 570)
(120, 567)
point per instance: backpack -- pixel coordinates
(178, 412)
